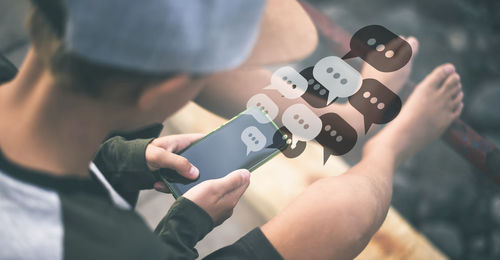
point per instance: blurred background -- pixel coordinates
(439, 193)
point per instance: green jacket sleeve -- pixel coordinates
(184, 225)
(124, 164)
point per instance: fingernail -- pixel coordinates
(245, 174)
(194, 172)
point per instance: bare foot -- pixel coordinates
(394, 80)
(433, 105)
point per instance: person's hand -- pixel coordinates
(218, 197)
(160, 153)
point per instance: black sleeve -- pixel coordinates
(7, 70)
(253, 246)
(184, 225)
(121, 158)
(123, 162)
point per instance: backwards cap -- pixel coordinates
(192, 36)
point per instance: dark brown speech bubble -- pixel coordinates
(337, 136)
(379, 47)
(377, 103)
(286, 148)
(316, 94)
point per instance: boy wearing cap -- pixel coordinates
(84, 79)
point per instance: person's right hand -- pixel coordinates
(218, 197)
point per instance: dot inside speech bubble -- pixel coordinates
(266, 104)
(337, 136)
(380, 48)
(253, 138)
(377, 103)
(302, 122)
(284, 135)
(316, 94)
(337, 76)
(288, 82)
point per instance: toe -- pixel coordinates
(451, 84)
(457, 88)
(458, 110)
(438, 75)
(456, 100)
(414, 45)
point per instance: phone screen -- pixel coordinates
(245, 142)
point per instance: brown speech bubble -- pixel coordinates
(379, 47)
(337, 136)
(377, 103)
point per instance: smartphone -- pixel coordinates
(245, 142)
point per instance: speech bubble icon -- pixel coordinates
(337, 136)
(377, 103)
(266, 104)
(316, 94)
(283, 135)
(337, 76)
(302, 122)
(253, 138)
(379, 47)
(288, 82)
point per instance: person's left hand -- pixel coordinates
(160, 153)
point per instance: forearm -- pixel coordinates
(336, 216)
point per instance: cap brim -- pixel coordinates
(286, 34)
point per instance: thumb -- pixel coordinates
(232, 181)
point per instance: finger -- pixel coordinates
(161, 187)
(164, 159)
(232, 181)
(176, 143)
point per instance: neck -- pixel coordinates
(42, 127)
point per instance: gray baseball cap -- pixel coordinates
(192, 36)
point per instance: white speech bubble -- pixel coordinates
(302, 123)
(338, 77)
(288, 82)
(253, 138)
(266, 104)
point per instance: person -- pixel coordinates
(81, 81)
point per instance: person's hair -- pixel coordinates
(46, 23)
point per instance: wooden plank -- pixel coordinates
(278, 182)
